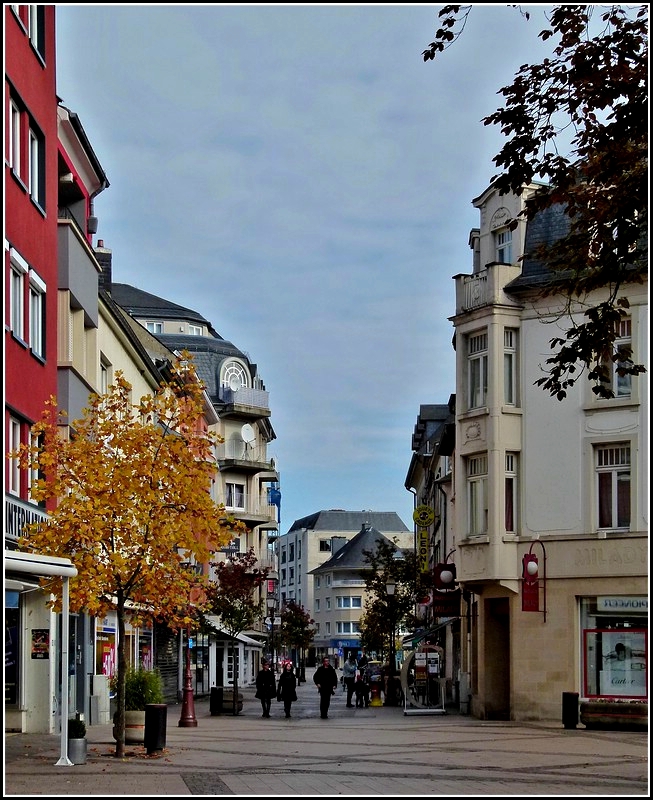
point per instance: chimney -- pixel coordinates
(104, 260)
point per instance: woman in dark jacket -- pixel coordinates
(265, 687)
(286, 687)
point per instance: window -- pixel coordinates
(283, 556)
(234, 376)
(317, 582)
(511, 492)
(477, 370)
(613, 486)
(503, 246)
(14, 444)
(291, 552)
(105, 375)
(37, 28)
(194, 330)
(477, 495)
(19, 269)
(327, 627)
(349, 602)
(317, 605)
(328, 604)
(510, 366)
(13, 143)
(154, 327)
(37, 166)
(291, 576)
(36, 314)
(32, 474)
(283, 576)
(347, 627)
(325, 545)
(235, 495)
(621, 386)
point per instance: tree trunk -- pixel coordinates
(122, 675)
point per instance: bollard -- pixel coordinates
(156, 717)
(215, 702)
(570, 709)
(375, 692)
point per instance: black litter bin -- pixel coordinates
(156, 719)
(570, 709)
(215, 701)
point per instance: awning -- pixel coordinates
(241, 637)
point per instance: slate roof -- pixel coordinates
(548, 226)
(208, 351)
(337, 520)
(350, 556)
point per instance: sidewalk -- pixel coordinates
(371, 751)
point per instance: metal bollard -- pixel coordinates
(570, 709)
(156, 718)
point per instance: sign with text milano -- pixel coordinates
(446, 604)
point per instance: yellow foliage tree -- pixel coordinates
(133, 511)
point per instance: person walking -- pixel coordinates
(286, 688)
(362, 661)
(349, 676)
(326, 680)
(265, 687)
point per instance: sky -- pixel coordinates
(302, 178)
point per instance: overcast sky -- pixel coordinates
(303, 179)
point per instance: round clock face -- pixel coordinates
(423, 516)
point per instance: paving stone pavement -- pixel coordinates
(376, 751)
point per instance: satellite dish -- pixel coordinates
(234, 383)
(248, 433)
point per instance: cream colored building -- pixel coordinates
(565, 482)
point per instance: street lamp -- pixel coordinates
(188, 718)
(272, 603)
(390, 588)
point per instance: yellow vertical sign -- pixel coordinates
(423, 550)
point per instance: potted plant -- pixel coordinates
(77, 745)
(142, 687)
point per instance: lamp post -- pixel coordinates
(188, 719)
(390, 588)
(272, 604)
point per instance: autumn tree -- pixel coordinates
(133, 506)
(592, 92)
(234, 597)
(383, 612)
(296, 631)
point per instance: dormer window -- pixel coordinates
(234, 376)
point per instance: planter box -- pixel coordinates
(604, 714)
(77, 749)
(134, 727)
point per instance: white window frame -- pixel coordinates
(511, 497)
(19, 269)
(37, 293)
(613, 480)
(195, 330)
(36, 155)
(235, 495)
(154, 327)
(477, 495)
(14, 468)
(36, 22)
(14, 137)
(33, 473)
(477, 369)
(510, 366)
(503, 246)
(622, 387)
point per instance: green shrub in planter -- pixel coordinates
(76, 728)
(142, 686)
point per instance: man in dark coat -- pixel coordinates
(326, 680)
(266, 687)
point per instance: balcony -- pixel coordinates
(238, 455)
(244, 402)
(485, 287)
(250, 507)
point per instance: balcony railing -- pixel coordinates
(258, 505)
(256, 398)
(241, 451)
(475, 291)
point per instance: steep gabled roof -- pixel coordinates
(350, 556)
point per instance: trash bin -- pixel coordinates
(215, 701)
(570, 709)
(156, 719)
